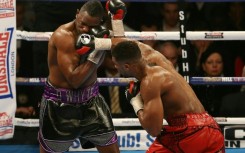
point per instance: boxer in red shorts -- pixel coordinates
(162, 93)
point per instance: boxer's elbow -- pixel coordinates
(154, 131)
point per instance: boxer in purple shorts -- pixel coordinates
(71, 105)
(81, 113)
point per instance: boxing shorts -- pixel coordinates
(69, 114)
(189, 133)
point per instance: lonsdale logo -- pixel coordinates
(6, 8)
(5, 41)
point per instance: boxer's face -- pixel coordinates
(84, 22)
(123, 68)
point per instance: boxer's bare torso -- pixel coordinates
(177, 96)
(65, 69)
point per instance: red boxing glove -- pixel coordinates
(116, 8)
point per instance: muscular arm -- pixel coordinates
(151, 117)
(68, 61)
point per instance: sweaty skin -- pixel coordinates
(164, 91)
(65, 69)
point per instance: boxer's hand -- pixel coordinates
(132, 94)
(96, 56)
(116, 8)
(85, 44)
(132, 90)
(137, 103)
(100, 32)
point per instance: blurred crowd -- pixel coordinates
(205, 57)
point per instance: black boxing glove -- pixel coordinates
(133, 95)
(116, 8)
(93, 47)
(132, 89)
(85, 44)
(100, 32)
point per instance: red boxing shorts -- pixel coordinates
(189, 133)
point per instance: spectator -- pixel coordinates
(149, 24)
(137, 13)
(233, 104)
(170, 17)
(108, 70)
(215, 14)
(197, 47)
(25, 101)
(170, 50)
(239, 63)
(24, 47)
(212, 65)
(236, 16)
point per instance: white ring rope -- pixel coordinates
(150, 35)
(123, 122)
(125, 81)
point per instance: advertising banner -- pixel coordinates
(7, 68)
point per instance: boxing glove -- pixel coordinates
(100, 32)
(116, 8)
(88, 43)
(132, 89)
(132, 94)
(93, 47)
(85, 44)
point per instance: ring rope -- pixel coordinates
(125, 81)
(123, 122)
(150, 35)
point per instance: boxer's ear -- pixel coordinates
(77, 12)
(126, 66)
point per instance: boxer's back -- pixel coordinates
(179, 98)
